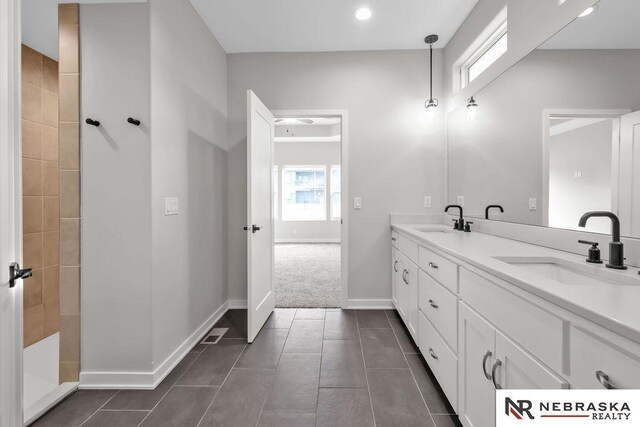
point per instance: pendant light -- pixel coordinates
(472, 109)
(431, 104)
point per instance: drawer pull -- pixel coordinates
(404, 277)
(604, 380)
(393, 239)
(433, 354)
(395, 266)
(433, 304)
(486, 356)
(432, 265)
(496, 364)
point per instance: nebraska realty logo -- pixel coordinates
(567, 408)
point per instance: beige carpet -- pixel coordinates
(307, 275)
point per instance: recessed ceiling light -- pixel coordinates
(588, 11)
(362, 14)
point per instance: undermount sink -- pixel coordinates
(571, 273)
(431, 230)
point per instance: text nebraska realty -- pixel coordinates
(598, 410)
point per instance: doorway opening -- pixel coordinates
(307, 211)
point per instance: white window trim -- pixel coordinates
(328, 193)
(478, 53)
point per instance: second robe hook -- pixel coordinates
(133, 121)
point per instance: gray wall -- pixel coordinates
(395, 154)
(116, 189)
(586, 150)
(188, 161)
(499, 158)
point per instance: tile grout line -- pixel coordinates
(366, 373)
(101, 406)
(324, 321)
(222, 384)
(171, 388)
(266, 395)
(415, 381)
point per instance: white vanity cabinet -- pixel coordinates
(407, 290)
(395, 276)
(488, 360)
(479, 332)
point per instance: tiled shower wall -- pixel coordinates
(40, 195)
(69, 75)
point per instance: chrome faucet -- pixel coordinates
(616, 248)
(459, 225)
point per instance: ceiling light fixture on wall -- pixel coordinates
(432, 103)
(588, 11)
(362, 14)
(472, 109)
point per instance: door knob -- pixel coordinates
(15, 273)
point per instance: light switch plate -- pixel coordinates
(533, 204)
(357, 202)
(427, 201)
(460, 200)
(171, 206)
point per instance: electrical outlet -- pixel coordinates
(533, 204)
(460, 200)
(357, 202)
(171, 206)
(427, 201)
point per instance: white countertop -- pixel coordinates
(612, 306)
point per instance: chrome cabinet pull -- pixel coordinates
(432, 353)
(486, 356)
(432, 265)
(604, 380)
(496, 364)
(433, 304)
(395, 266)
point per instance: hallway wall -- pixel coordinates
(395, 155)
(188, 161)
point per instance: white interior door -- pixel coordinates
(260, 290)
(629, 180)
(10, 216)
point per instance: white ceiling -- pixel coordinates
(317, 121)
(40, 23)
(613, 25)
(329, 25)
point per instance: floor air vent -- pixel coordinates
(214, 336)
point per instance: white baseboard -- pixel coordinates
(237, 303)
(48, 401)
(309, 240)
(149, 380)
(363, 304)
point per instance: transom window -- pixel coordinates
(489, 52)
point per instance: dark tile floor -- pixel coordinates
(307, 367)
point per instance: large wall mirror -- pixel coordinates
(558, 134)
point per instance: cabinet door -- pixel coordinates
(395, 273)
(518, 369)
(402, 289)
(476, 394)
(412, 299)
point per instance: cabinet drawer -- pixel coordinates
(537, 330)
(441, 360)
(394, 239)
(439, 306)
(440, 268)
(590, 355)
(408, 247)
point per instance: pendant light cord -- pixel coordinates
(430, 71)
